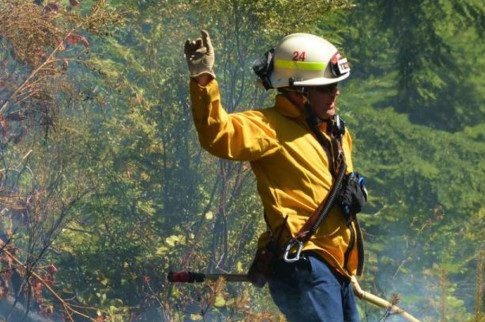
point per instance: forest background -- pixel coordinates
(104, 187)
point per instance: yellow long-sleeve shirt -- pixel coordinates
(291, 168)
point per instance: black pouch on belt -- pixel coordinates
(262, 266)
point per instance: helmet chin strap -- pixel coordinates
(311, 117)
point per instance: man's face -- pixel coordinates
(323, 100)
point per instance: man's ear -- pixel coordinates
(304, 99)
(297, 98)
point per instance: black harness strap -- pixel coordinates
(336, 161)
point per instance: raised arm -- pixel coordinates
(238, 136)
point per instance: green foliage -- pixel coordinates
(438, 80)
(426, 207)
(149, 200)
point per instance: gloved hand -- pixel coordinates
(200, 55)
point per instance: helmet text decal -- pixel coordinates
(298, 56)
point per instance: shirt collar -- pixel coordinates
(287, 108)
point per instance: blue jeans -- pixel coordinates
(309, 290)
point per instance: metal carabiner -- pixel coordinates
(290, 245)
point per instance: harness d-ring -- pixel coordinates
(289, 247)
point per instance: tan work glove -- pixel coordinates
(200, 55)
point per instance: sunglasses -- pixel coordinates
(326, 89)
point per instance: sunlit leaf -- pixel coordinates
(209, 215)
(219, 301)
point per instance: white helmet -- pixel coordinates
(302, 60)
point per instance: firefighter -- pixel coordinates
(295, 150)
